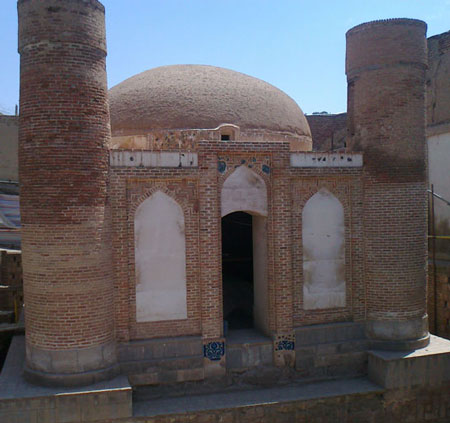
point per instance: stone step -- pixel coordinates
(173, 363)
(350, 364)
(163, 371)
(246, 349)
(150, 349)
(328, 333)
(241, 357)
(249, 404)
(340, 347)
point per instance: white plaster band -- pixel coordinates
(126, 158)
(326, 160)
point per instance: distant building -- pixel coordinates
(9, 187)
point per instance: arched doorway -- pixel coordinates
(244, 251)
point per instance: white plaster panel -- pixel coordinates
(326, 160)
(439, 174)
(323, 233)
(160, 254)
(244, 190)
(127, 158)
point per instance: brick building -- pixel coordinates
(180, 227)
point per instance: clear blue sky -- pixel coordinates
(296, 45)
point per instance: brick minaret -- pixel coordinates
(64, 130)
(385, 66)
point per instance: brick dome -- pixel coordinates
(202, 97)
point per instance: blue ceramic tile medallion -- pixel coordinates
(214, 350)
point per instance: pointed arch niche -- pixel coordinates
(323, 233)
(244, 193)
(244, 190)
(160, 260)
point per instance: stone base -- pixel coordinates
(398, 335)
(66, 380)
(162, 360)
(21, 401)
(331, 350)
(407, 345)
(425, 367)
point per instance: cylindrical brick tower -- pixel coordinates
(63, 169)
(385, 65)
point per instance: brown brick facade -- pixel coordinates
(198, 192)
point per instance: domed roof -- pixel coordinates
(201, 97)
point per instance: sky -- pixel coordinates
(296, 45)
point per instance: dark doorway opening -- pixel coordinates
(237, 271)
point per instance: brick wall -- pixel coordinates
(328, 132)
(440, 321)
(438, 87)
(198, 192)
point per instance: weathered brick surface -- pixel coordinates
(63, 160)
(438, 88)
(440, 321)
(328, 132)
(11, 280)
(388, 124)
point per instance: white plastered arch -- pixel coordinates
(323, 236)
(244, 190)
(160, 259)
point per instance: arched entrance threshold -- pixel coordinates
(244, 275)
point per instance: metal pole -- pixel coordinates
(433, 252)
